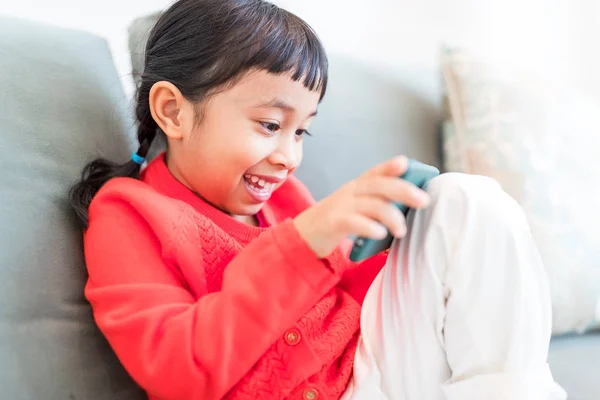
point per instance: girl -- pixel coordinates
(213, 274)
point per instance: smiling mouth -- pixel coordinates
(259, 185)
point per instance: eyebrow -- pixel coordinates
(278, 103)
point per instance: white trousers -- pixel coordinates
(461, 311)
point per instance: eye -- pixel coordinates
(270, 126)
(302, 132)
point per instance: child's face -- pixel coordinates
(248, 141)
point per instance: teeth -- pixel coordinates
(260, 184)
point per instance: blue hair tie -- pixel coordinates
(136, 158)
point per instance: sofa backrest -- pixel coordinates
(365, 118)
(61, 104)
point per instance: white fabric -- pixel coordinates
(461, 311)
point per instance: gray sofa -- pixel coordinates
(61, 103)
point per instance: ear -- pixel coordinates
(173, 113)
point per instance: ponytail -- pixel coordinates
(98, 172)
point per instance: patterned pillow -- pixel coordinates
(540, 140)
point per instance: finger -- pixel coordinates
(393, 167)
(366, 227)
(384, 212)
(393, 190)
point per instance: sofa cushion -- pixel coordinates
(575, 364)
(61, 104)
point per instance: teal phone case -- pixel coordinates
(418, 174)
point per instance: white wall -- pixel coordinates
(397, 37)
(560, 38)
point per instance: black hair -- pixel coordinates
(201, 46)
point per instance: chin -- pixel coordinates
(251, 209)
(245, 209)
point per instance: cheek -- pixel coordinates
(233, 159)
(230, 148)
(254, 148)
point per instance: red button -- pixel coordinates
(292, 337)
(310, 394)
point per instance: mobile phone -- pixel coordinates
(418, 174)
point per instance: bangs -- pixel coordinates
(283, 43)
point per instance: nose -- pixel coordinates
(287, 153)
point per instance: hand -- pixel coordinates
(362, 207)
